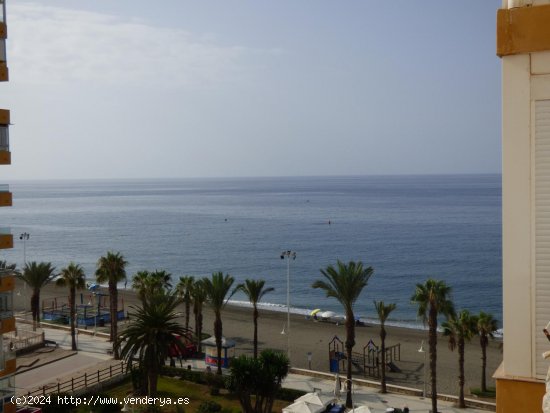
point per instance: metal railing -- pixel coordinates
(24, 339)
(83, 383)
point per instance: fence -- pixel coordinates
(24, 339)
(84, 383)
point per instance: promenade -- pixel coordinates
(93, 355)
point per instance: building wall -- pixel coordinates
(523, 42)
(7, 320)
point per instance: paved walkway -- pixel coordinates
(93, 355)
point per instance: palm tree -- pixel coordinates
(151, 333)
(345, 283)
(217, 289)
(73, 277)
(459, 328)
(148, 283)
(111, 269)
(36, 275)
(258, 379)
(433, 298)
(184, 288)
(383, 312)
(199, 296)
(254, 290)
(485, 328)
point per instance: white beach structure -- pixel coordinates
(303, 407)
(316, 399)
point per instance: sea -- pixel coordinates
(407, 228)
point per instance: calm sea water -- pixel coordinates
(408, 228)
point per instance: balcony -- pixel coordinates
(6, 238)
(5, 196)
(5, 155)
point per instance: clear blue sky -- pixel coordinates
(174, 88)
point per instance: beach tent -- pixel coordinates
(315, 398)
(211, 351)
(303, 407)
(327, 314)
(363, 409)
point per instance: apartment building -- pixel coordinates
(7, 279)
(523, 43)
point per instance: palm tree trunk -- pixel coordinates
(350, 342)
(218, 335)
(187, 311)
(383, 348)
(432, 325)
(72, 299)
(199, 331)
(35, 300)
(153, 379)
(255, 316)
(483, 363)
(461, 380)
(113, 295)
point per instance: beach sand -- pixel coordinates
(307, 335)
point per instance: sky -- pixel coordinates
(177, 88)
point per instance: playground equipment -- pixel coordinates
(97, 314)
(368, 362)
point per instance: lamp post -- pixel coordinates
(421, 350)
(288, 255)
(24, 237)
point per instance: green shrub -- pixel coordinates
(209, 407)
(105, 407)
(289, 395)
(53, 406)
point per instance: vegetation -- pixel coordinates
(198, 293)
(345, 283)
(185, 290)
(217, 289)
(73, 277)
(256, 381)
(459, 328)
(111, 269)
(37, 275)
(485, 328)
(433, 298)
(383, 312)
(147, 284)
(150, 334)
(254, 290)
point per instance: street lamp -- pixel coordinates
(288, 255)
(24, 237)
(421, 350)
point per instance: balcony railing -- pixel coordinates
(4, 138)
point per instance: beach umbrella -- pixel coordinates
(337, 386)
(327, 314)
(362, 409)
(315, 398)
(303, 407)
(314, 312)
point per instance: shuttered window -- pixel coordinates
(542, 233)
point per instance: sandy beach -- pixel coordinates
(314, 336)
